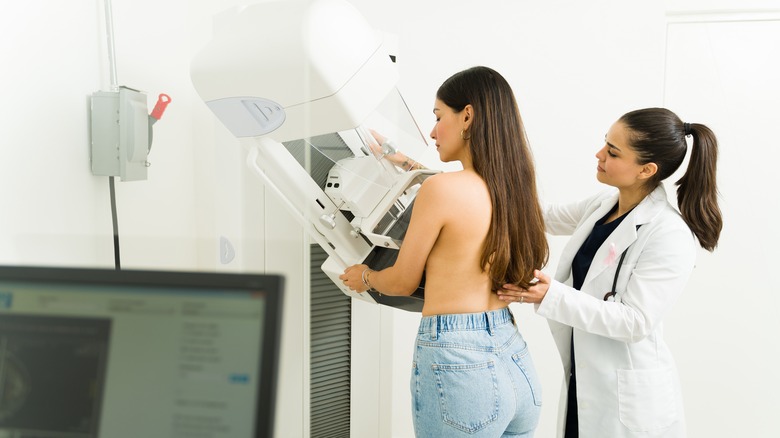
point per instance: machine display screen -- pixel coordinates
(91, 353)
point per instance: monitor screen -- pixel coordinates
(121, 354)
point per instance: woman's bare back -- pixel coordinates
(454, 279)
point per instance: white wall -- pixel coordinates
(575, 67)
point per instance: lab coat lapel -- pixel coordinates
(610, 251)
(625, 234)
(579, 236)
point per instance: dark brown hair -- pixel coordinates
(658, 136)
(516, 243)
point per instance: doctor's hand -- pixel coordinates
(353, 278)
(534, 294)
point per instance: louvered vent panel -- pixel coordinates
(324, 151)
(331, 316)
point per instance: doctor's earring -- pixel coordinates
(463, 135)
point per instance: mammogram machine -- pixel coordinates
(302, 84)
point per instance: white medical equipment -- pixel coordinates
(301, 83)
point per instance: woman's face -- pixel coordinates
(617, 165)
(446, 132)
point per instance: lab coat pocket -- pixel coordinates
(648, 399)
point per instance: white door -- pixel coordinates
(725, 72)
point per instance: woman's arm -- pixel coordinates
(397, 158)
(656, 281)
(404, 276)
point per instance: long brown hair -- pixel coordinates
(658, 136)
(516, 243)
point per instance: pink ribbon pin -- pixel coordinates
(610, 259)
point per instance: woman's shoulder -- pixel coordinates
(661, 213)
(667, 230)
(452, 182)
(670, 219)
(454, 175)
(452, 190)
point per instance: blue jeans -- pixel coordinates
(473, 376)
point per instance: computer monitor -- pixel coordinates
(121, 354)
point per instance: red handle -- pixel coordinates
(162, 102)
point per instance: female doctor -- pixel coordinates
(628, 260)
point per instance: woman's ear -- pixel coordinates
(468, 116)
(648, 170)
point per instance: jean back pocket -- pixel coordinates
(468, 395)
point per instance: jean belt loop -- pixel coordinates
(490, 322)
(435, 328)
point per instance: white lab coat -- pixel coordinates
(627, 383)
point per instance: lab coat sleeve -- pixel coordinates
(563, 219)
(656, 281)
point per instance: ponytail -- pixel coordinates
(658, 136)
(697, 192)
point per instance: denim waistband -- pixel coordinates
(466, 321)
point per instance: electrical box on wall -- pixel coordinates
(120, 134)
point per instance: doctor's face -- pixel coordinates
(617, 162)
(446, 132)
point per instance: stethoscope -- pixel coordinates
(610, 296)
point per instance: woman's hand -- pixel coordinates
(534, 294)
(398, 159)
(353, 278)
(377, 148)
